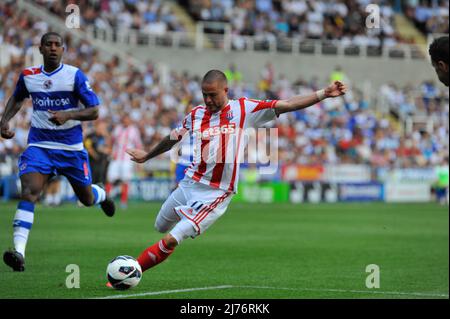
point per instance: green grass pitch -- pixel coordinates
(254, 251)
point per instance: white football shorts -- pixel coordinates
(191, 209)
(120, 170)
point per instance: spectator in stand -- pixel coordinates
(304, 19)
(233, 75)
(153, 16)
(98, 146)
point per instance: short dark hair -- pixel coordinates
(439, 49)
(48, 34)
(215, 75)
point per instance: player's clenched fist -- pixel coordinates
(138, 156)
(5, 132)
(335, 89)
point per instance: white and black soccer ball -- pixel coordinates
(124, 272)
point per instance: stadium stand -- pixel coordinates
(154, 16)
(398, 126)
(283, 26)
(428, 16)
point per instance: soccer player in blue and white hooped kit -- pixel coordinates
(55, 141)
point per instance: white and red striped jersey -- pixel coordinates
(124, 138)
(219, 139)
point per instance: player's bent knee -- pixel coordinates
(161, 227)
(30, 194)
(164, 223)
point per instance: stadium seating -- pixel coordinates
(429, 16)
(349, 130)
(149, 16)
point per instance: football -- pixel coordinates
(124, 272)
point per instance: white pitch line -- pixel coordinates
(163, 292)
(419, 294)
(153, 293)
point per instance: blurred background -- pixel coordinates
(385, 140)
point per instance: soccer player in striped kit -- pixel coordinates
(121, 169)
(212, 178)
(55, 141)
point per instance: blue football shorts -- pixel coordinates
(180, 171)
(72, 164)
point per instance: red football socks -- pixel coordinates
(108, 188)
(154, 255)
(124, 196)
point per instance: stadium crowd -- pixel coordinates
(342, 20)
(267, 20)
(152, 16)
(429, 16)
(345, 130)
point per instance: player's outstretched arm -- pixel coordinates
(12, 107)
(61, 117)
(140, 156)
(300, 102)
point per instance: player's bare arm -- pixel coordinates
(61, 117)
(141, 156)
(300, 102)
(12, 107)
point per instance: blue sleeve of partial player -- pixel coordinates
(84, 91)
(21, 91)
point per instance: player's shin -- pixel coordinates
(124, 194)
(108, 188)
(157, 253)
(154, 255)
(23, 221)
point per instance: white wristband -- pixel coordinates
(321, 94)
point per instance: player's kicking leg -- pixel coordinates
(32, 186)
(188, 217)
(165, 220)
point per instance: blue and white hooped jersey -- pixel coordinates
(60, 90)
(186, 150)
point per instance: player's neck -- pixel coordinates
(219, 110)
(49, 68)
(223, 106)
